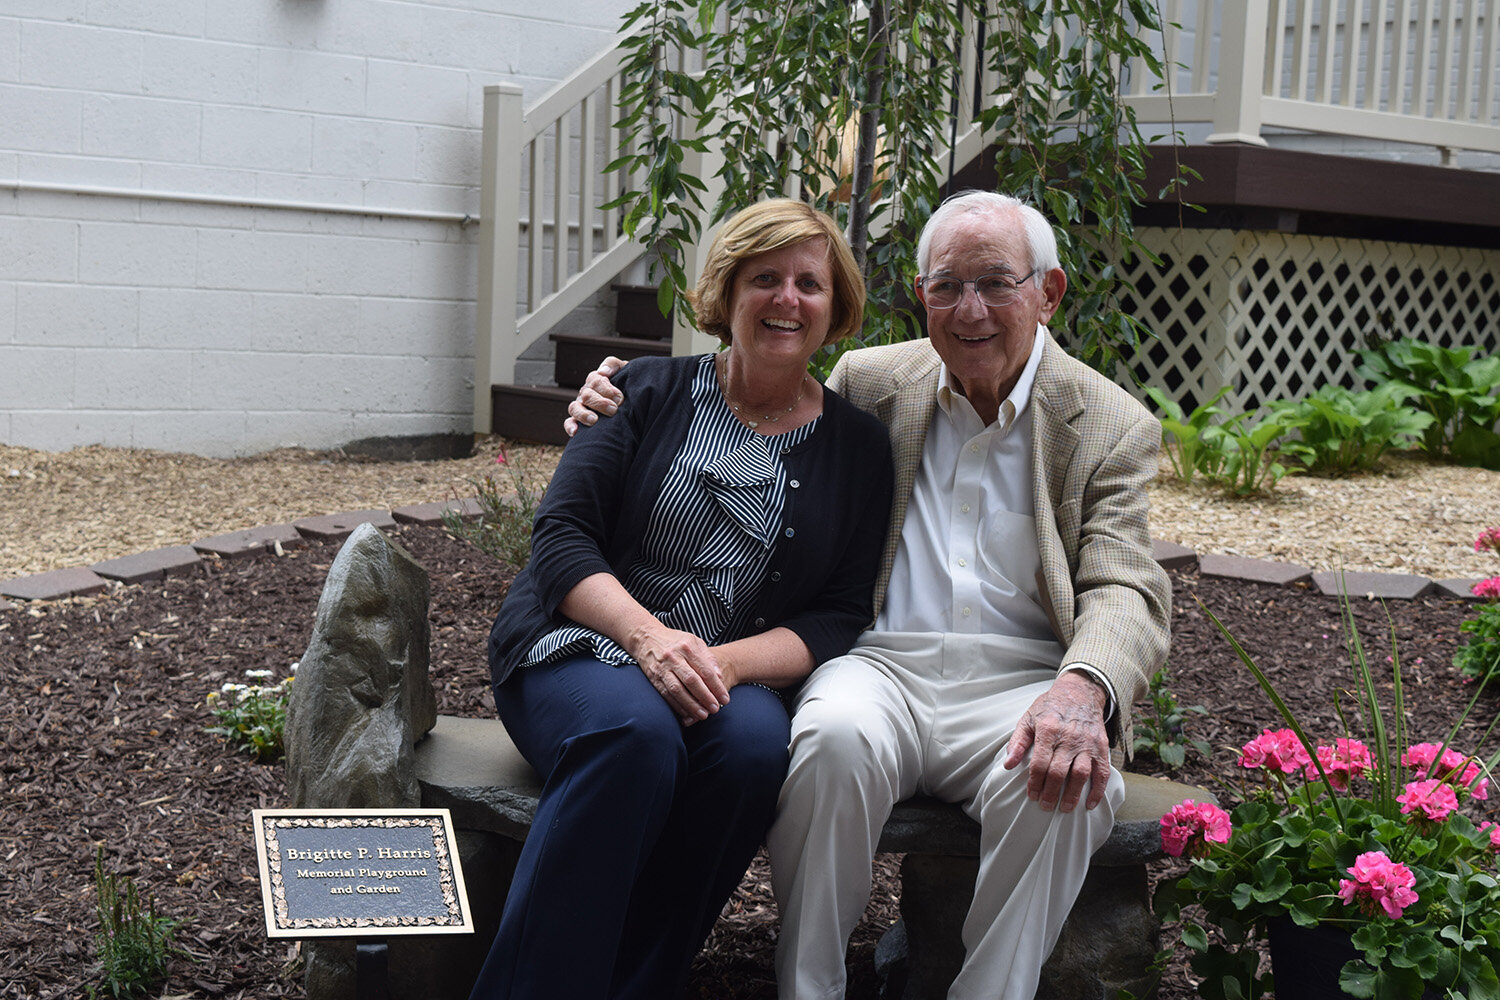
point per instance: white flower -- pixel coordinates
(258, 673)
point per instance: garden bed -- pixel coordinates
(102, 743)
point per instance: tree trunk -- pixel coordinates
(862, 188)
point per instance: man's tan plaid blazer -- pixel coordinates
(1095, 450)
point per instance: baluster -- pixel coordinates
(1468, 34)
(609, 182)
(1490, 51)
(561, 188)
(534, 245)
(1400, 100)
(1275, 47)
(1328, 29)
(1443, 78)
(1203, 47)
(1375, 58)
(1348, 85)
(1419, 77)
(1301, 48)
(587, 173)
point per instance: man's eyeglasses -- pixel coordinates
(992, 289)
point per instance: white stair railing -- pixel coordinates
(537, 268)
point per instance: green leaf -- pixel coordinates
(1194, 937)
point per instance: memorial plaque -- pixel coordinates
(357, 872)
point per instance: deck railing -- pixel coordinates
(1414, 71)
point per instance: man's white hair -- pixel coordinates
(1040, 238)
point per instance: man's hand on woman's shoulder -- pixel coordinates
(598, 395)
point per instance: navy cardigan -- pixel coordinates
(820, 579)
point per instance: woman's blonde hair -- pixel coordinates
(772, 225)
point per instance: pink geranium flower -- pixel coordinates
(1345, 760)
(1189, 827)
(1489, 538)
(1275, 750)
(1429, 799)
(1379, 883)
(1422, 758)
(1494, 831)
(1488, 588)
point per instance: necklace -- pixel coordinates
(769, 418)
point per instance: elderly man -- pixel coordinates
(1019, 615)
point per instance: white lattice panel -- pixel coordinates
(1276, 315)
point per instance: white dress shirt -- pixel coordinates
(968, 558)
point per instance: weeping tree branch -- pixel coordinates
(781, 83)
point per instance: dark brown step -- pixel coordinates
(530, 412)
(577, 356)
(636, 313)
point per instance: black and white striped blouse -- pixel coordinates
(711, 534)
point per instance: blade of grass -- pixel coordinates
(1281, 706)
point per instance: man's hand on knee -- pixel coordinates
(598, 395)
(1069, 746)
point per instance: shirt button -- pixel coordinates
(760, 623)
(786, 451)
(973, 449)
(776, 576)
(964, 508)
(966, 612)
(963, 562)
(790, 532)
(794, 484)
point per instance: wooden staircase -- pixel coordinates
(536, 412)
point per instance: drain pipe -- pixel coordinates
(142, 194)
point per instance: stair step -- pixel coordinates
(578, 355)
(636, 314)
(530, 412)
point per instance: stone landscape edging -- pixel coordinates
(156, 564)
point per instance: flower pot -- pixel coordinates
(1306, 961)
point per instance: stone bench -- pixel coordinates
(470, 767)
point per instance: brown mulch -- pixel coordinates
(102, 744)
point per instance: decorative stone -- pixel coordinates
(1171, 555)
(251, 541)
(54, 585)
(1386, 585)
(362, 697)
(332, 527)
(1253, 570)
(143, 567)
(361, 700)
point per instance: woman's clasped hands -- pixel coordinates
(683, 669)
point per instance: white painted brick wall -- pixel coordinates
(132, 319)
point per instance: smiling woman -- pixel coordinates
(709, 544)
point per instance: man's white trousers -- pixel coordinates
(924, 712)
